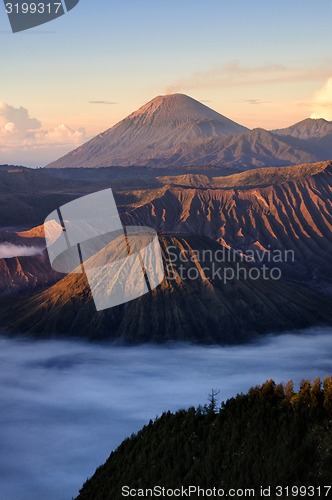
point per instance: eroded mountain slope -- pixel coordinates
(199, 301)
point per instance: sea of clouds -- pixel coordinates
(66, 405)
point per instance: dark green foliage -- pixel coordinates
(270, 436)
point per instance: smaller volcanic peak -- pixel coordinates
(52, 228)
(307, 129)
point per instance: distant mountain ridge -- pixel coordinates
(178, 131)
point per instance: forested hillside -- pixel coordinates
(271, 436)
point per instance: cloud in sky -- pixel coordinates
(256, 101)
(102, 102)
(322, 105)
(21, 134)
(17, 118)
(61, 135)
(235, 74)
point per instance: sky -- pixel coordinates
(260, 63)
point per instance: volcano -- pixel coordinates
(151, 134)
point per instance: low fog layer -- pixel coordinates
(65, 406)
(8, 251)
